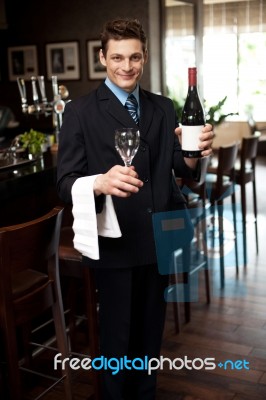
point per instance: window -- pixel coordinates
(234, 56)
(252, 74)
(220, 70)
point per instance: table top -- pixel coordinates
(28, 191)
(10, 169)
(17, 178)
(7, 164)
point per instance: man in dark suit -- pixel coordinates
(131, 290)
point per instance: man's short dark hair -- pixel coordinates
(123, 28)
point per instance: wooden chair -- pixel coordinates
(195, 194)
(29, 286)
(70, 261)
(244, 174)
(220, 184)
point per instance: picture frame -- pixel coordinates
(62, 60)
(22, 62)
(95, 69)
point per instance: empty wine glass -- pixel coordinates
(127, 143)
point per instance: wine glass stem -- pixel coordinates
(127, 163)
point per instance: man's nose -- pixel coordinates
(127, 65)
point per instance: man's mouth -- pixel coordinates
(123, 76)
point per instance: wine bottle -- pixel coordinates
(192, 119)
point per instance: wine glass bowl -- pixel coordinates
(127, 143)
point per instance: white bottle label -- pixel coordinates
(190, 137)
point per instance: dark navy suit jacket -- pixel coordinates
(86, 147)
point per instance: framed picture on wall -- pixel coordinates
(62, 60)
(22, 62)
(95, 69)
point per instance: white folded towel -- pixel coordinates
(87, 224)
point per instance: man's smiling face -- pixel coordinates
(124, 62)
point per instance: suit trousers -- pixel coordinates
(131, 322)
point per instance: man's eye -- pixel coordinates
(136, 58)
(116, 58)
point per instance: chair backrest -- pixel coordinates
(227, 156)
(195, 185)
(248, 152)
(203, 171)
(30, 245)
(195, 191)
(226, 159)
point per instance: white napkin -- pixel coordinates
(87, 224)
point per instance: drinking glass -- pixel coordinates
(127, 143)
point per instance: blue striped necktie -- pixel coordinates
(132, 107)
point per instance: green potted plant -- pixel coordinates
(214, 114)
(33, 141)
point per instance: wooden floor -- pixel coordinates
(232, 327)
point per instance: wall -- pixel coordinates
(37, 23)
(233, 131)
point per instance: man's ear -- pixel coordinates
(102, 58)
(145, 56)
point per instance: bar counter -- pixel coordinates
(27, 192)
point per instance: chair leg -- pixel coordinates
(61, 339)
(205, 252)
(71, 304)
(235, 230)
(255, 213)
(176, 310)
(11, 352)
(187, 305)
(213, 224)
(186, 284)
(91, 306)
(176, 316)
(206, 268)
(244, 222)
(207, 284)
(221, 242)
(26, 335)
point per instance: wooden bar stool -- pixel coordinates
(220, 184)
(70, 261)
(29, 286)
(195, 194)
(244, 174)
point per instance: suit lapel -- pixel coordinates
(115, 109)
(146, 113)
